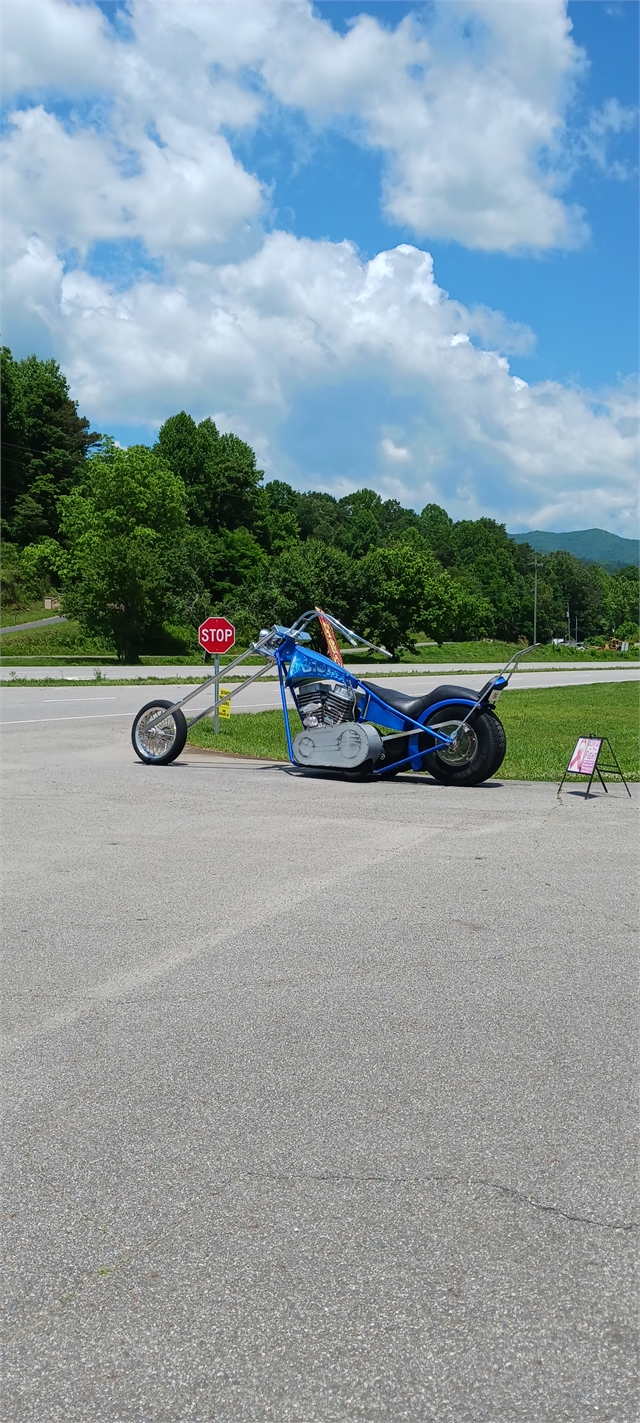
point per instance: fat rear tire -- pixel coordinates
(361, 773)
(159, 748)
(485, 759)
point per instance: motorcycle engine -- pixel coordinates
(325, 704)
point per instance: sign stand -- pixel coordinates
(585, 761)
(216, 714)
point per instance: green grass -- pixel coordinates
(259, 734)
(542, 728)
(500, 652)
(66, 642)
(62, 640)
(92, 681)
(32, 613)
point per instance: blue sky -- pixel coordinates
(204, 230)
(336, 194)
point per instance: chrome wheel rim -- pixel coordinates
(464, 747)
(154, 742)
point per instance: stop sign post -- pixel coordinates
(216, 635)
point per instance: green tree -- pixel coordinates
(119, 529)
(318, 516)
(437, 527)
(452, 612)
(360, 522)
(484, 561)
(390, 588)
(15, 594)
(580, 588)
(396, 522)
(219, 473)
(280, 516)
(304, 576)
(43, 565)
(14, 434)
(620, 600)
(204, 570)
(47, 443)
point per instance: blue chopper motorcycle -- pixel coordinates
(357, 727)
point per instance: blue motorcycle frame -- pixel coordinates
(297, 663)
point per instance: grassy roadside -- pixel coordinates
(489, 651)
(66, 642)
(33, 612)
(94, 677)
(542, 727)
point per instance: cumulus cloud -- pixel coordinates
(251, 340)
(186, 193)
(467, 106)
(52, 44)
(252, 326)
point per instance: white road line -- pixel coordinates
(68, 700)
(86, 716)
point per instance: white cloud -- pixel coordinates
(396, 453)
(252, 328)
(463, 108)
(54, 44)
(252, 341)
(468, 109)
(593, 141)
(73, 188)
(464, 138)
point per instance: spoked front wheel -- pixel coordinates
(476, 755)
(158, 745)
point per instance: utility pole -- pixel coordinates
(536, 566)
(576, 629)
(568, 625)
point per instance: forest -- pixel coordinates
(141, 544)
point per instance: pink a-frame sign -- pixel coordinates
(585, 761)
(585, 755)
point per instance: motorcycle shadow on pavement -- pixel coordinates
(409, 778)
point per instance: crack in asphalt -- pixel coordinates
(444, 1180)
(126, 1253)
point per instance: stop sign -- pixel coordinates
(216, 635)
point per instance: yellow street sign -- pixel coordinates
(225, 708)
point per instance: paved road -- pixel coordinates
(24, 627)
(24, 705)
(375, 669)
(318, 1095)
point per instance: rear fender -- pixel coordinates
(409, 750)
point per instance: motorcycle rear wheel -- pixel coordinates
(360, 773)
(477, 756)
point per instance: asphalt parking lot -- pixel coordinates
(319, 1096)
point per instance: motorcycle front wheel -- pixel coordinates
(162, 743)
(477, 754)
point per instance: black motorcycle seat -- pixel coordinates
(415, 706)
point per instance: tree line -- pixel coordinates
(141, 544)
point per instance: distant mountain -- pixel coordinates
(591, 545)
